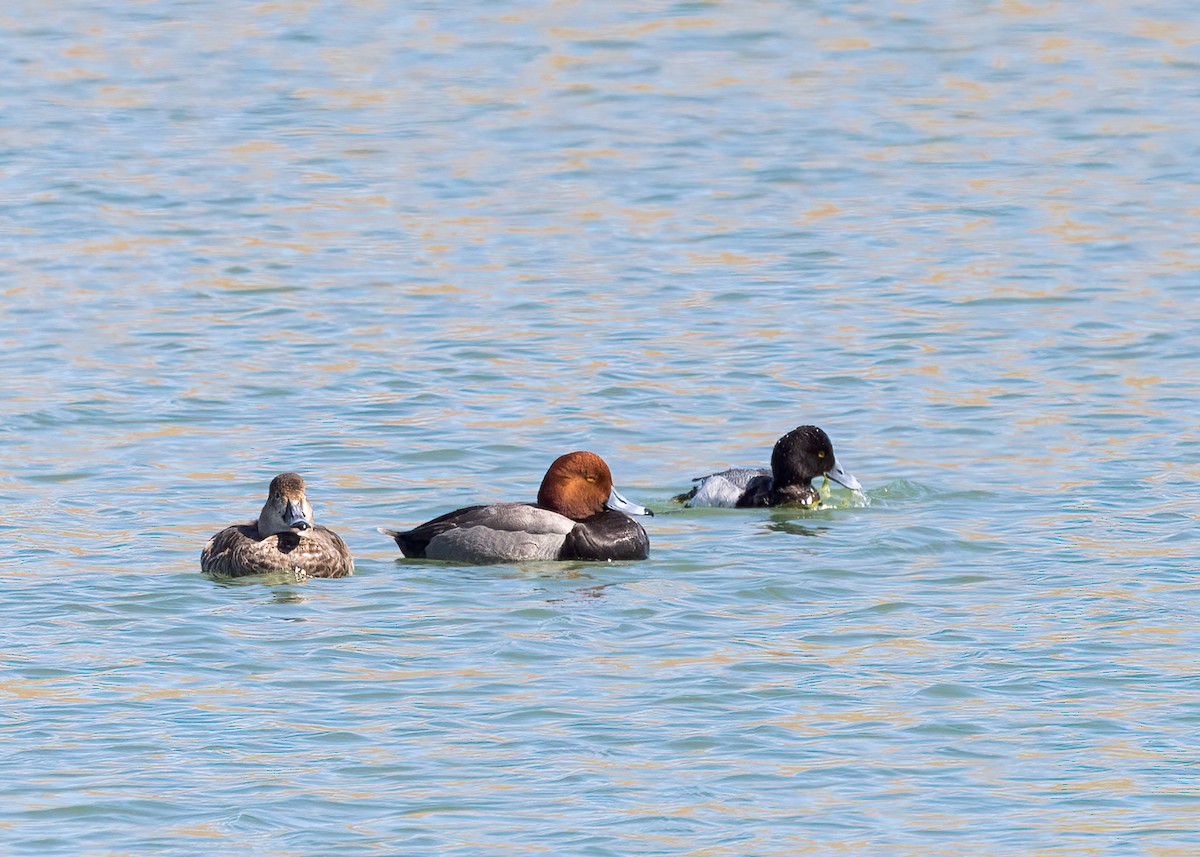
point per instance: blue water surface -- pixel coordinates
(417, 251)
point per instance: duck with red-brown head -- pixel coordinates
(579, 485)
(285, 538)
(578, 516)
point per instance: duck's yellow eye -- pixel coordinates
(590, 478)
(820, 455)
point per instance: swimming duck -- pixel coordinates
(798, 457)
(283, 539)
(578, 515)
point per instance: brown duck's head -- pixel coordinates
(287, 509)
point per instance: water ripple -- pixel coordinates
(417, 254)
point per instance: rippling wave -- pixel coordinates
(418, 253)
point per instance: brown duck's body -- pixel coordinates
(284, 539)
(239, 550)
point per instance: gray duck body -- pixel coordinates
(520, 532)
(579, 515)
(729, 488)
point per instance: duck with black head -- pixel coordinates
(283, 539)
(798, 458)
(579, 515)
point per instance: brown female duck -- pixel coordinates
(283, 539)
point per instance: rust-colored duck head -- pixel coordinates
(579, 485)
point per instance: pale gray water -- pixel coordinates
(417, 252)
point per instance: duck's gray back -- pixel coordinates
(727, 487)
(503, 532)
(479, 545)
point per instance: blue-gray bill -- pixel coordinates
(295, 518)
(619, 503)
(841, 477)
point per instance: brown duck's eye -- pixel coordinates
(590, 478)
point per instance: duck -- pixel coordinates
(799, 456)
(578, 515)
(283, 539)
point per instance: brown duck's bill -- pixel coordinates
(295, 518)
